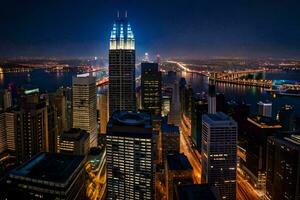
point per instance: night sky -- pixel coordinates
(190, 29)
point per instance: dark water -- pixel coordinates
(251, 95)
(37, 78)
(45, 81)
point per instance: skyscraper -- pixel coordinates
(5, 99)
(74, 142)
(8, 129)
(11, 130)
(121, 67)
(166, 100)
(85, 105)
(174, 114)
(3, 143)
(212, 97)
(170, 139)
(219, 145)
(254, 137)
(60, 102)
(287, 118)
(151, 88)
(32, 126)
(199, 108)
(48, 176)
(178, 170)
(264, 109)
(52, 127)
(283, 167)
(130, 168)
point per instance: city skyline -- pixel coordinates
(172, 125)
(201, 29)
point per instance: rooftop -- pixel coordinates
(52, 167)
(267, 103)
(264, 122)
(197, 192)
(218, 118)
(290, 142)
(84, 79)
(131, 124)
(178, 162)
(83, 75)
(74, 134)
(129, 118)
(295, 139)
(31, 91)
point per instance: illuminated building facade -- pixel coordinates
(199, 108)
(167, 93)
(32, 126)
(151, 88)
(5, 99)
(170, 139)
(178, 171)
(130, 167)
(85, 105)
(8, 131)
(52, 127)
(264, 109)
(74, 142)
(60, 102)
(186, 98)
(3, 143)
(255, 135)
(219, 157)
(283, 167)
(11, 130)
(166, 104)
(174, 116)
(48, 176)
(121, 68)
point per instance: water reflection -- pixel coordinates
(242, 93)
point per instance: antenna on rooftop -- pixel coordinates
(118, 14)
(126, 14)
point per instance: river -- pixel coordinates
(49, 82)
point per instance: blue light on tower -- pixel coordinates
(121, 36)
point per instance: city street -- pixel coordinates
(244, 190)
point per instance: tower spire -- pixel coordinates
(125, 13)
(118, 14)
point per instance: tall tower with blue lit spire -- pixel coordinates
(121, 67)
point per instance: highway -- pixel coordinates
(187, 149)
(244, 190)
(96, 183)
